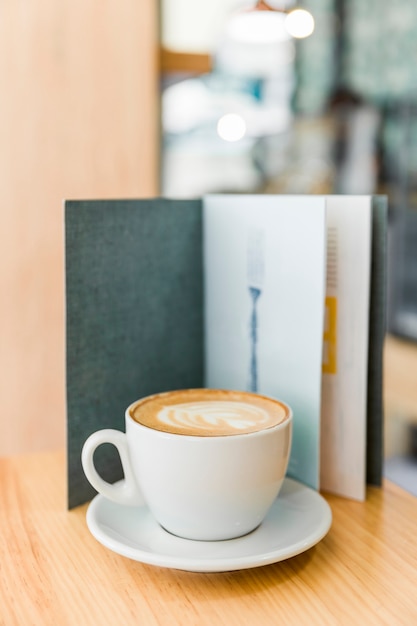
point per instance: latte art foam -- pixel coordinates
(218, 414)
(209, 412)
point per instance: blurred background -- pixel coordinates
(136, 99)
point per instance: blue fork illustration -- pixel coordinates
(255, 276)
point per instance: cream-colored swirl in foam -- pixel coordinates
(215, 415)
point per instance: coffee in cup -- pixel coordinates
(208, 463)
(208, 412)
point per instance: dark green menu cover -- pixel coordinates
(377, 329)
(134, 298)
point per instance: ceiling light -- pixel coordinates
(231, 127)
(299, 23)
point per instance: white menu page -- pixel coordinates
(345, 346)
(264, 273)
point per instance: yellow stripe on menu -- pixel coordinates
(329, 364)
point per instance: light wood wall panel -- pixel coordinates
(78, 118)
(400, 394)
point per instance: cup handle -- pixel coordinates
(123, 492)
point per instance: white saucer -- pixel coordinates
(298, 519)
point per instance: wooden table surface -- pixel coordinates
(52, 571)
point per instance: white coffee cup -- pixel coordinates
(206, 486)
